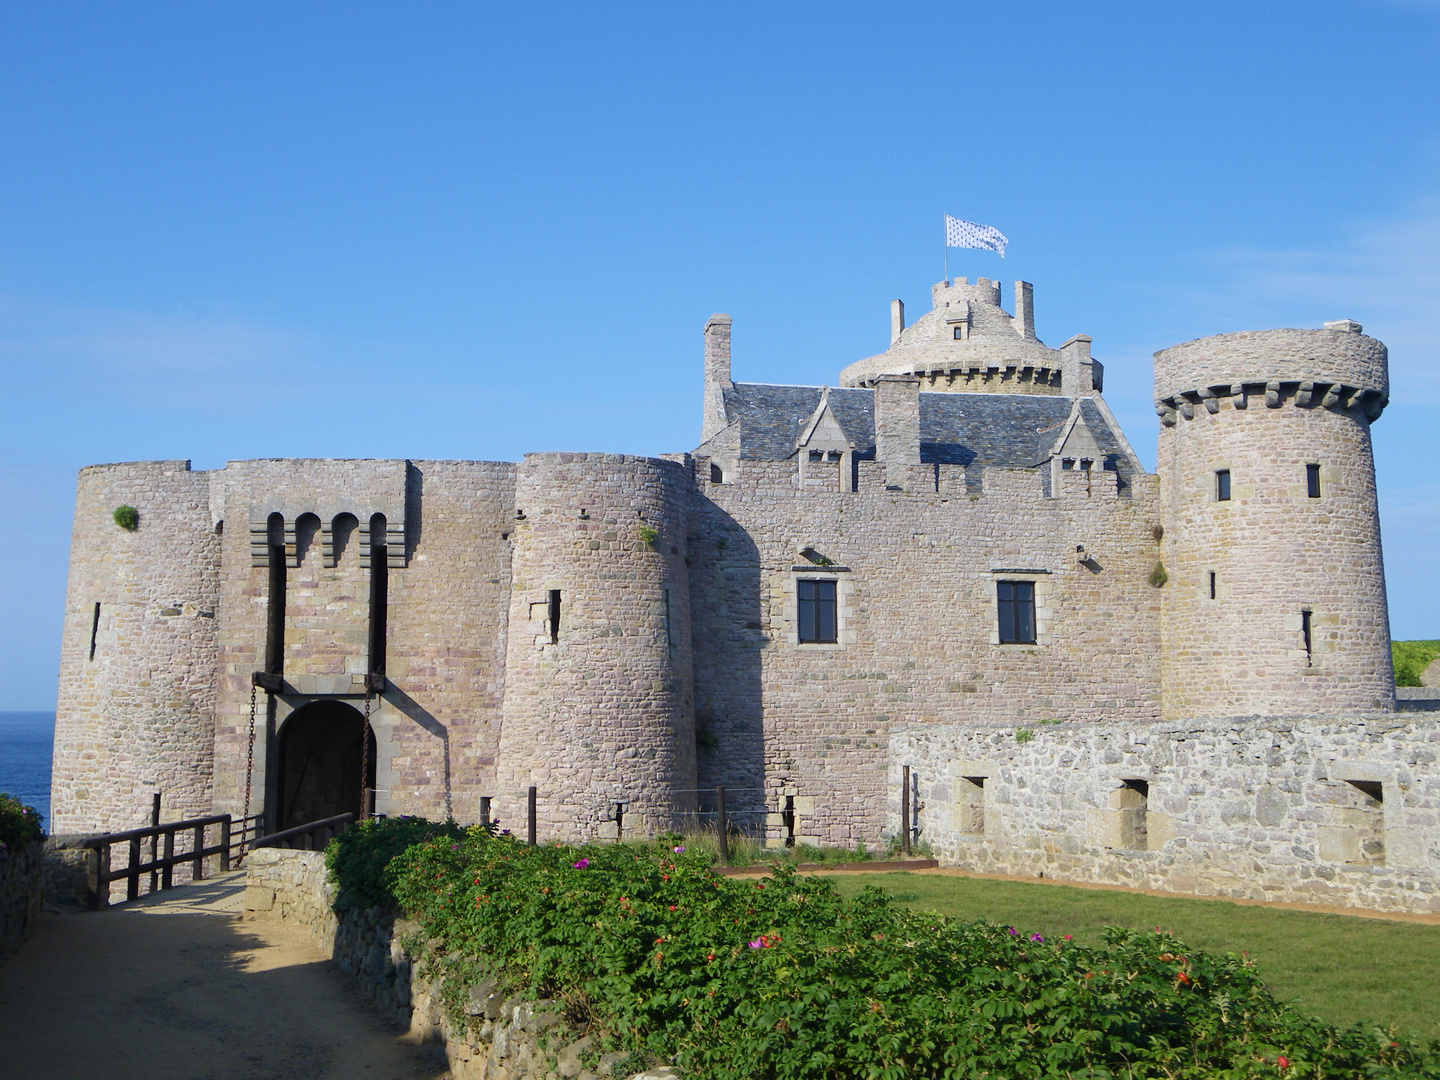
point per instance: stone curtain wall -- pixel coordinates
(604, 714)
(916, 572)
(139, 717)
(22, 894)
(503, 1038)
(1272, 549)
(1263, 809)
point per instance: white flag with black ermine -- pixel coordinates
(967, 234)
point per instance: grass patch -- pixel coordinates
(1341, 968)
(1411, 658)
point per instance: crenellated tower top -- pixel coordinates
(967, 342)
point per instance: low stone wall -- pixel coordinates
(22, 894)
(502, 1038)
(1342, 812)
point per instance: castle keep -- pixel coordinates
(952, 561)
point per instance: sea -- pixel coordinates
(27, 740)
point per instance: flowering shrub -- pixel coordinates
(19, 824)
(356, 859)
(781, 978)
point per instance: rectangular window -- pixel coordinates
(1312, 481)
(1305, 636)
(1016, 600)
(1222, 485)
(94, 629)
(815, 604)
(554, 616)
(1212, 584)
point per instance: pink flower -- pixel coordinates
(1067, 937)
(1013, 932)
(1036, 937)
(679, 850)
(761, 942)
(583, 864)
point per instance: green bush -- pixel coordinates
(127, 517)
(781, 978)
(19, 824)
(1411, 659)
(357, 858)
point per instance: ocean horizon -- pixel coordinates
(27, 741)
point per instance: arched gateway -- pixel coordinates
(320, 761)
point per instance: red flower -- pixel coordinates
(1283, 1061)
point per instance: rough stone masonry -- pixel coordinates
(957, 543)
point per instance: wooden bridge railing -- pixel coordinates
(305, 836)
(164, 864)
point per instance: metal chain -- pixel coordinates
(249, 775)
(365, 753)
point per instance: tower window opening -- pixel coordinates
(787, 818)
(1312, 481)
(1067, 463)
(815, 608)
(94, 629)
(554, 616)
(1016, 601)
(959, 334)
(1085, 464)
(1222, 485)
(1212, 584)
(1307, 637)
(717, 474)
(669, 624)
(817, 455)
(275, 602)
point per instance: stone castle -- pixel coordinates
(954, 561)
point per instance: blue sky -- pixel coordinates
(427, 230)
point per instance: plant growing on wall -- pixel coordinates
(127, 517)
(1158, 577)
(649, 535)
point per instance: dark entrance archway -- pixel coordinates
(319, 763)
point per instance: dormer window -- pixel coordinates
(1067, 463)
(1085, 464)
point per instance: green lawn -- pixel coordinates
(1338, 967)
(1411, 658)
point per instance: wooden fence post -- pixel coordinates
(722, 825)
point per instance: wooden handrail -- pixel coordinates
(336, 823)
(195, 856)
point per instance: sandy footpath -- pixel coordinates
(177, 987)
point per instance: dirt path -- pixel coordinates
(178, 988)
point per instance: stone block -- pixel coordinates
(258, 898)
(1338, 843)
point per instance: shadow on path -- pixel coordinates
(176, 987)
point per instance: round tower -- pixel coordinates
(138, 660)
(1275, 601)
(599, 699)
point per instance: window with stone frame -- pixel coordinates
(1016, 603)
(817, 617)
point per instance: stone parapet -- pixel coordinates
(1335, 367)
(1338, 811)
(22, 894)
(498, 1037)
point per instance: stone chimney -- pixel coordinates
(1080, 376)
(897, 320)
(717, 376)
(1025, 310)
(897, 419)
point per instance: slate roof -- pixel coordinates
(975, 430)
